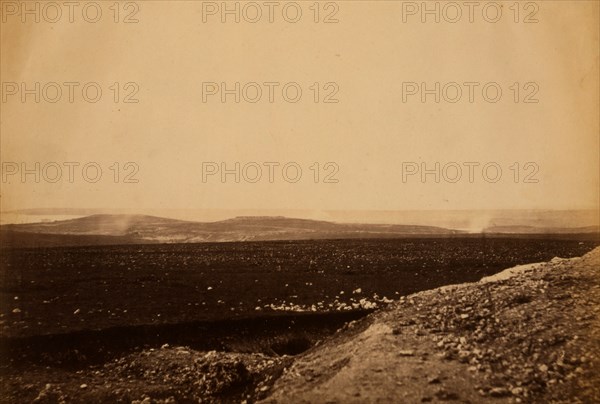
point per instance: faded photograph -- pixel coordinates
(299, 201)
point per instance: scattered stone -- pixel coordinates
(445, 395)
(434, 380)
(517, 391)
(499, 392)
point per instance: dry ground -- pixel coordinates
(529, 334)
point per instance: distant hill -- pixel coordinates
(540, 230)
(110, 229)
(127, 229)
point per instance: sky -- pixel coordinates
(364, 149)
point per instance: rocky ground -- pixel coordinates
(165, 375)
(529, 334)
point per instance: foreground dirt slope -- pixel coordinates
(529, 334)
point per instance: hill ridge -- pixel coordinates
(145, 228)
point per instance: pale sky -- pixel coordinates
(370, 135)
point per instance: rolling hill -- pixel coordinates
(540, 230)
(127, 229)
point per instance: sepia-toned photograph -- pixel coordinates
(299, 202)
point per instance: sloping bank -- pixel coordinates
(528, 334)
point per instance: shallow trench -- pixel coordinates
(276, 335)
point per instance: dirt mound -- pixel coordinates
(531, 334)
(165, 375)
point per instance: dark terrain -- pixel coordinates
(58, 290)
(75, 308)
